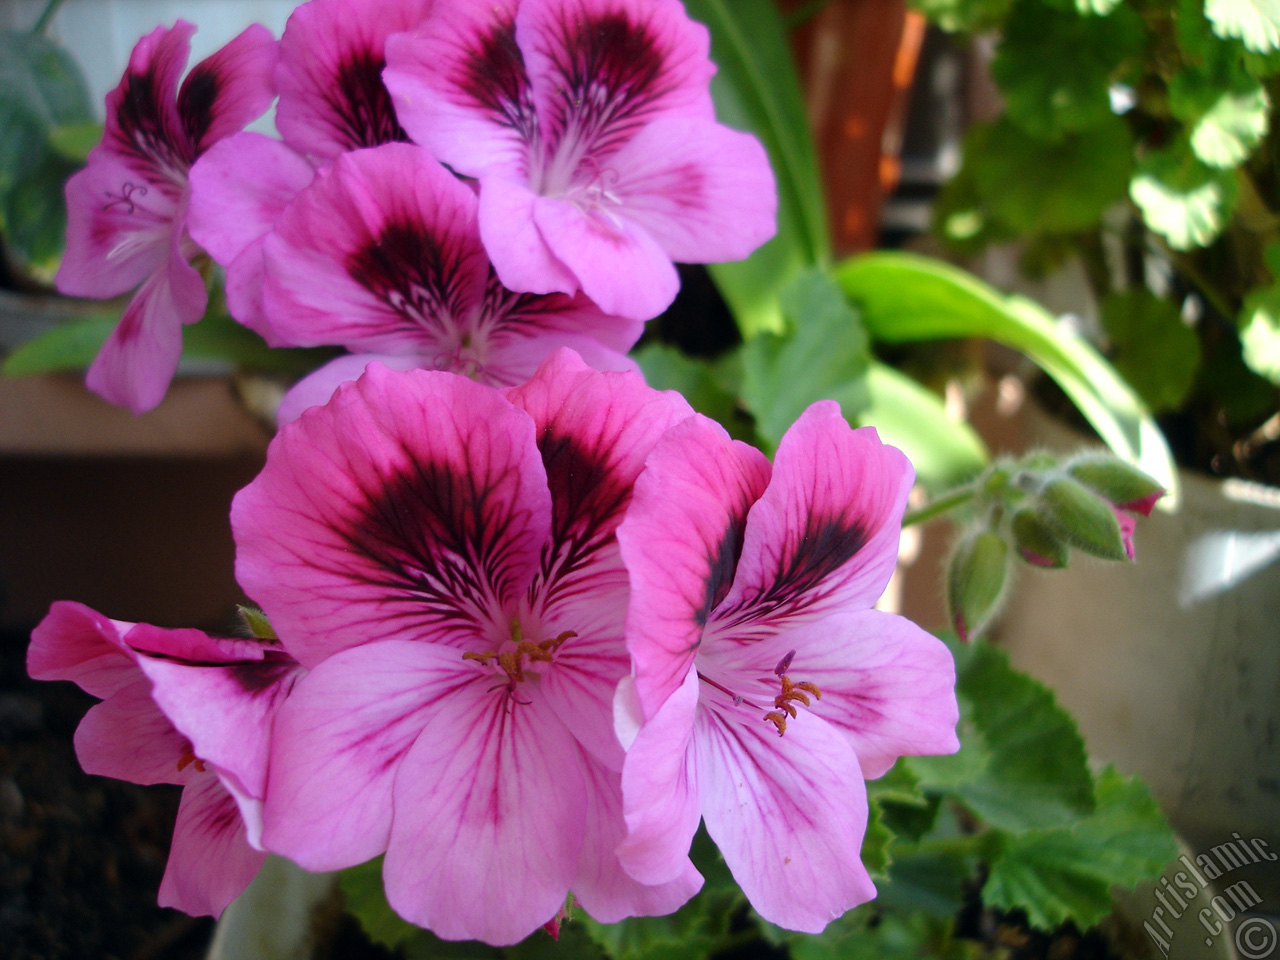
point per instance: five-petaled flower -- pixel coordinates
(126, 211)
(765, 688)
(178, 707)
(442, 556)
(590, 128)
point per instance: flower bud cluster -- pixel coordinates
(1039, 509)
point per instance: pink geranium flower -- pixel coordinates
(765, 688)
(127, 209)
(442, 556)
(382, 256)
(332, 100)
(178, 707)
(590, 128)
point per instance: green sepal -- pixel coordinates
(1077, 515)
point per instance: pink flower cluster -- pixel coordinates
(536, 620)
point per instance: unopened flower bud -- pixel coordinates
(1117, 482)
(1036, 541)
(257, 622)
(1082, 518)
(976, 579)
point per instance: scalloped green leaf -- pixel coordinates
(1260, 332)
(1066, 872)
(1181, 199)
(1254, 22)
(1235, 124)
(905, 298)
(1152, 346)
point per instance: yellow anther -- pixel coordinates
(778, 720)
(787, 708)
(812, 688)
(480, 658)
(188, 759)
(791, 693)
(797, 695)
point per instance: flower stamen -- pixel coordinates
(791, 694)
(189, 758)
(512, 662)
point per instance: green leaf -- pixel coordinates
(71, 346)
(1260, 332)
(1055, 67)
(968, 16)
(74, 141)
(756, 89)
(1235, 124)
(42, 80)
(1151, 346)
(1067, 872)
(904, 298)
(696, 929)
(1036, 186)
(877, 844)
(666, 368)
(1181, 199)
(944, 451)
(1032, 771)
(825, 356)
(1255, 22)
(35, 213)
(365, 900)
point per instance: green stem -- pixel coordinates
(948, 501)
(47, 14)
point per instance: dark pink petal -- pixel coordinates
(119, 229)
(489, 809)
(78, 644)
(681, 541)
(381, 255)
(886, 684)
(229, 89)
(521, 257)
(705, 193)
(1143, 505)
(461, 90)
(660, 789)
(192, 645)
(788, 814)
(138, 361)
(606, 891)
(824, 535)
(600, 69)
(127, 737)
(338, 740)
(317, 387)
(225, 710)
(210, 862)
(1128, 526)
(616, 262)
(332, 98)
(143, 128)
(239, 189)
(413, 505)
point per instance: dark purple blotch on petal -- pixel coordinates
(722, 564)
(256, 677)
(362, 104)
(142, 133)
(495, 78)
(414, 272)
(196, 100)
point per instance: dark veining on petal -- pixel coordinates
(363, 114)
(722, 565)
(612, 71)
(196, 101)
(142, 131)
(494, 77)
(416, 273)
(256, 677)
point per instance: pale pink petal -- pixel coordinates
(381, 255)
(228, 89)
(618, 265)
(78, 644)
(225, 710)
(338, 740)
(317, 387)
(681, 541)
(332, 98)
(412, 504)
(606, 891)
(704, 192)
(460, 87)
(489, 810)
(660, 789)
(521, 257)
(246, 275)
(599, 69)
(824, 535)
(239, 189)
(119, 229)
(127, 737)
(138, 361)
(788, 814)
(210, 862)
(888, 685)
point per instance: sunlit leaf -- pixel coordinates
(1255, 22)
